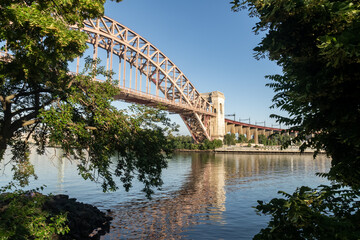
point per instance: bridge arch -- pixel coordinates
(173, 90)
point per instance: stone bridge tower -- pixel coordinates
(217, 124)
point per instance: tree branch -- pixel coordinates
(22, 110)
(25, 94)
(31, 131)
(19, 123)
(26, 120)
(30, 122)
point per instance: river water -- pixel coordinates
(205, 195)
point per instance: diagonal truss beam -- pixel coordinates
(180, 95)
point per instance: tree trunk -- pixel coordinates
(3, 146)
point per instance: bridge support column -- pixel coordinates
(230, 128)
(262, 132)
(217, 124)
(256, 138)
(268, 133)
(239, 130)
(247, 132)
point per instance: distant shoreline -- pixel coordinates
(251, 150)
(267, 152)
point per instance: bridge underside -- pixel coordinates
(197, 123)
(196, 120)
(146, 75)
(133, 96)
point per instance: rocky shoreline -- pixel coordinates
(84, 220)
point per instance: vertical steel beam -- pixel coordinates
(157, 82)
(148, 77)
(119, 74)
(136, 72)
(125, 58)
(111, 55)
(130, 78)
(140, 80)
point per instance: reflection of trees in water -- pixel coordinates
(243, 169)
(202, 196)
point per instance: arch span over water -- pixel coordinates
(147, 76)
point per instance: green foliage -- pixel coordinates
(241, 139)
(262, 139)
(41, 99)
(186, 142)
(181, 142)
(217, 143)
(133, 141)
(194, 146)
(211, 144)
(274, 139)
(277, 139)
(229, 139)
(22, 217)
(329, 212)
(317, 44)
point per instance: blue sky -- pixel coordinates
(212, 45)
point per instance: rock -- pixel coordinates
(84, 220)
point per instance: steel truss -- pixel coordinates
(171, 89)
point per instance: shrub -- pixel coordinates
(22, 217)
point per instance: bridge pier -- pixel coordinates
(247, 132)
(251, 131)
(239, 130)
(256, 137)
(268, 133)
(230, 128)
(217, 126)
(262, 132)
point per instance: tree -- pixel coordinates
(181, 142)
(262, 139)
(326, 212)
(242, 138)
(317, 44)
(207, 144)
(229, 139)
(40, 98)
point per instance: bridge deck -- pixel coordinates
(134, 96)
(228, 121)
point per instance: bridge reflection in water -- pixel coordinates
(205, 195)
(202, 199)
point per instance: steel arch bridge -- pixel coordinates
(147, 76)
